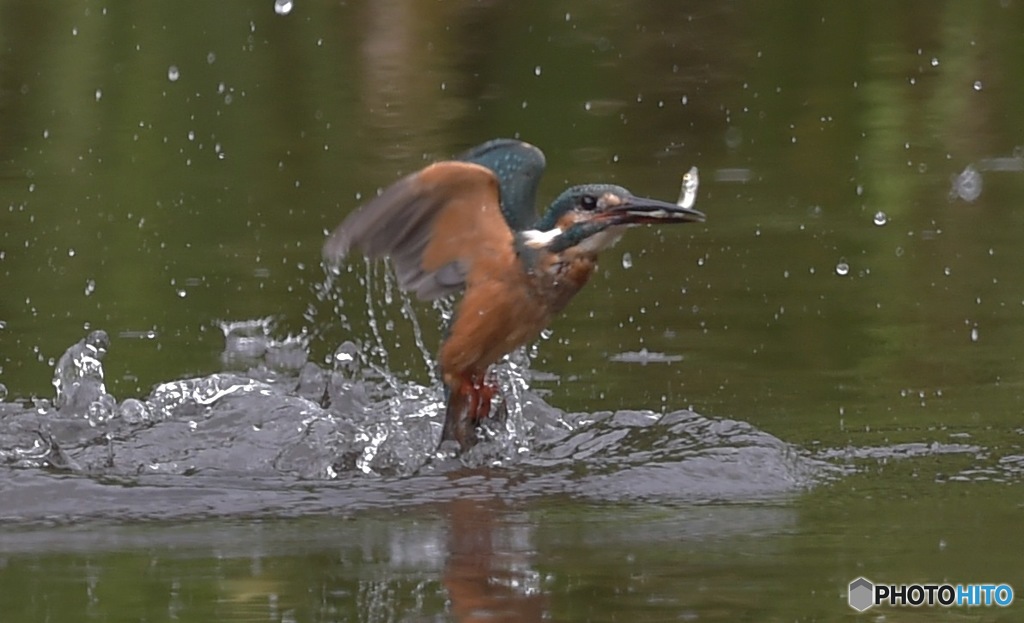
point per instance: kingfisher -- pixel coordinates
(469, 224)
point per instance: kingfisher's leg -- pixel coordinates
(468, 403)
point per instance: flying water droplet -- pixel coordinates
(283, 7)
(974, 334)
(173, 74)
(977, 85)
(536, 70)
(627, 260)
(842, 268)
(90, 286)
(967, 185)
(881, 218)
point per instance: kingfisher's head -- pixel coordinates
(593, 217)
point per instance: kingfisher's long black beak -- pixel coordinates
(641, 210)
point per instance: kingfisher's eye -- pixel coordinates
(588, 202)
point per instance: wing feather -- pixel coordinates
(440, 227)
(518, 167)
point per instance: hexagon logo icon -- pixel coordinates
(861, 594)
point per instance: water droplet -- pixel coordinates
(586, 105)
(968, 184)
(935, 62)
(133, 411)
(974, 334)
(173, 74)
(881, 218)
(211, 57)
(947, 271)
(536, 70)
(283, 7)
(90, 286)
(99, 94)
(182, 294)
(977, 85)
(842, 268)
(627, 260)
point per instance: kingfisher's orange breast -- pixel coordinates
(508, 310)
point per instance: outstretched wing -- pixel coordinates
(439, 226)
(518, 166)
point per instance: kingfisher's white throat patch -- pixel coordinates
(536, 239)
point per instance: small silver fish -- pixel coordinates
(688, 191)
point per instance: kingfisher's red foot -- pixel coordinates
(467, 406)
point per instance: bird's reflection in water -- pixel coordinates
(489, 574)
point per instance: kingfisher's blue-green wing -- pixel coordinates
(518, 167)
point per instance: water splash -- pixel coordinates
(78, 376)
(644, 357)
(248, 343)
